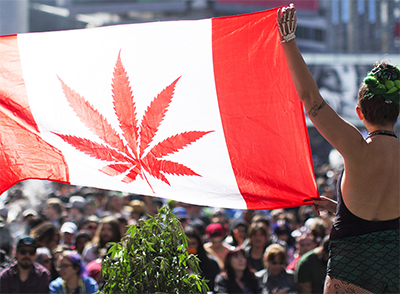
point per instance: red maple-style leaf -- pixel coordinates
(127, 154)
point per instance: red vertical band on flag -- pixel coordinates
(262, 118)
(23, 153)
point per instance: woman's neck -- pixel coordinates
(238, 278)
(73, 282)
(372, 128)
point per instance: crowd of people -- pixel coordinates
(62, 235)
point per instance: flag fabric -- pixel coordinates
(200, 111)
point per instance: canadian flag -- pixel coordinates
(200, 111)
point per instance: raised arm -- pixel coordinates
(341, 134)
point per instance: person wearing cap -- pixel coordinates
(216, 247)
(181, 213)
(68, 231)
(237, 232)
(25, 275)
(29, 213)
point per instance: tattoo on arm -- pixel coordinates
(315, 109)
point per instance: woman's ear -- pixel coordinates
(359, 113)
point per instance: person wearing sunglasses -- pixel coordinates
(274, 278)
(73, 277)
(25, 275)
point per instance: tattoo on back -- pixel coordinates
(315, 109)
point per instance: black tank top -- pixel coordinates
(347, 224)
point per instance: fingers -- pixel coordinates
(293, 22)
(315, 210)
(287, 22)
(279, 16)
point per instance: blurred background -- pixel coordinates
(339, 39)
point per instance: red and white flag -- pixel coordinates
(200, 111)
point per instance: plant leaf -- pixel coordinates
(154, 115)
(93, 119)
(124, 105)
(93, 149)
(174, 143)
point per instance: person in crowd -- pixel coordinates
(216, 246)
(108, 231)
(209, 267)
(274, 278)
(262, 219)
(75, 207)
(28, 214)
(123, 223)
(138, 210)
(90, 206)
(237, 232)
(154, 205)
(276, 214)
(32, 222)
(311, 269)
(218, 215)
(283, 230)
(82, 238)
(181, 213)
(258, 242)
(68, 231)
(90, 224)
(57, 253)
(304, 243)
(46, 234)
(368, 207)
(319, 228)
(94, 270)
(247, 215)
(22, 228)
(196, 212)
(237, 276)
(73, 277)
(53, 211)
(25, 275)
(114, 204)
(43, 257)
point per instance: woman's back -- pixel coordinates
(371, 184)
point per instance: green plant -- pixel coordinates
(153, 258)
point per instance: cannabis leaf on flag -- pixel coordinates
(128, 155)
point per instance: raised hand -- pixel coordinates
(287, 23)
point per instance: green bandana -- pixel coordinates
(384, 81)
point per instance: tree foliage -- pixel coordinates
(153, 258)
